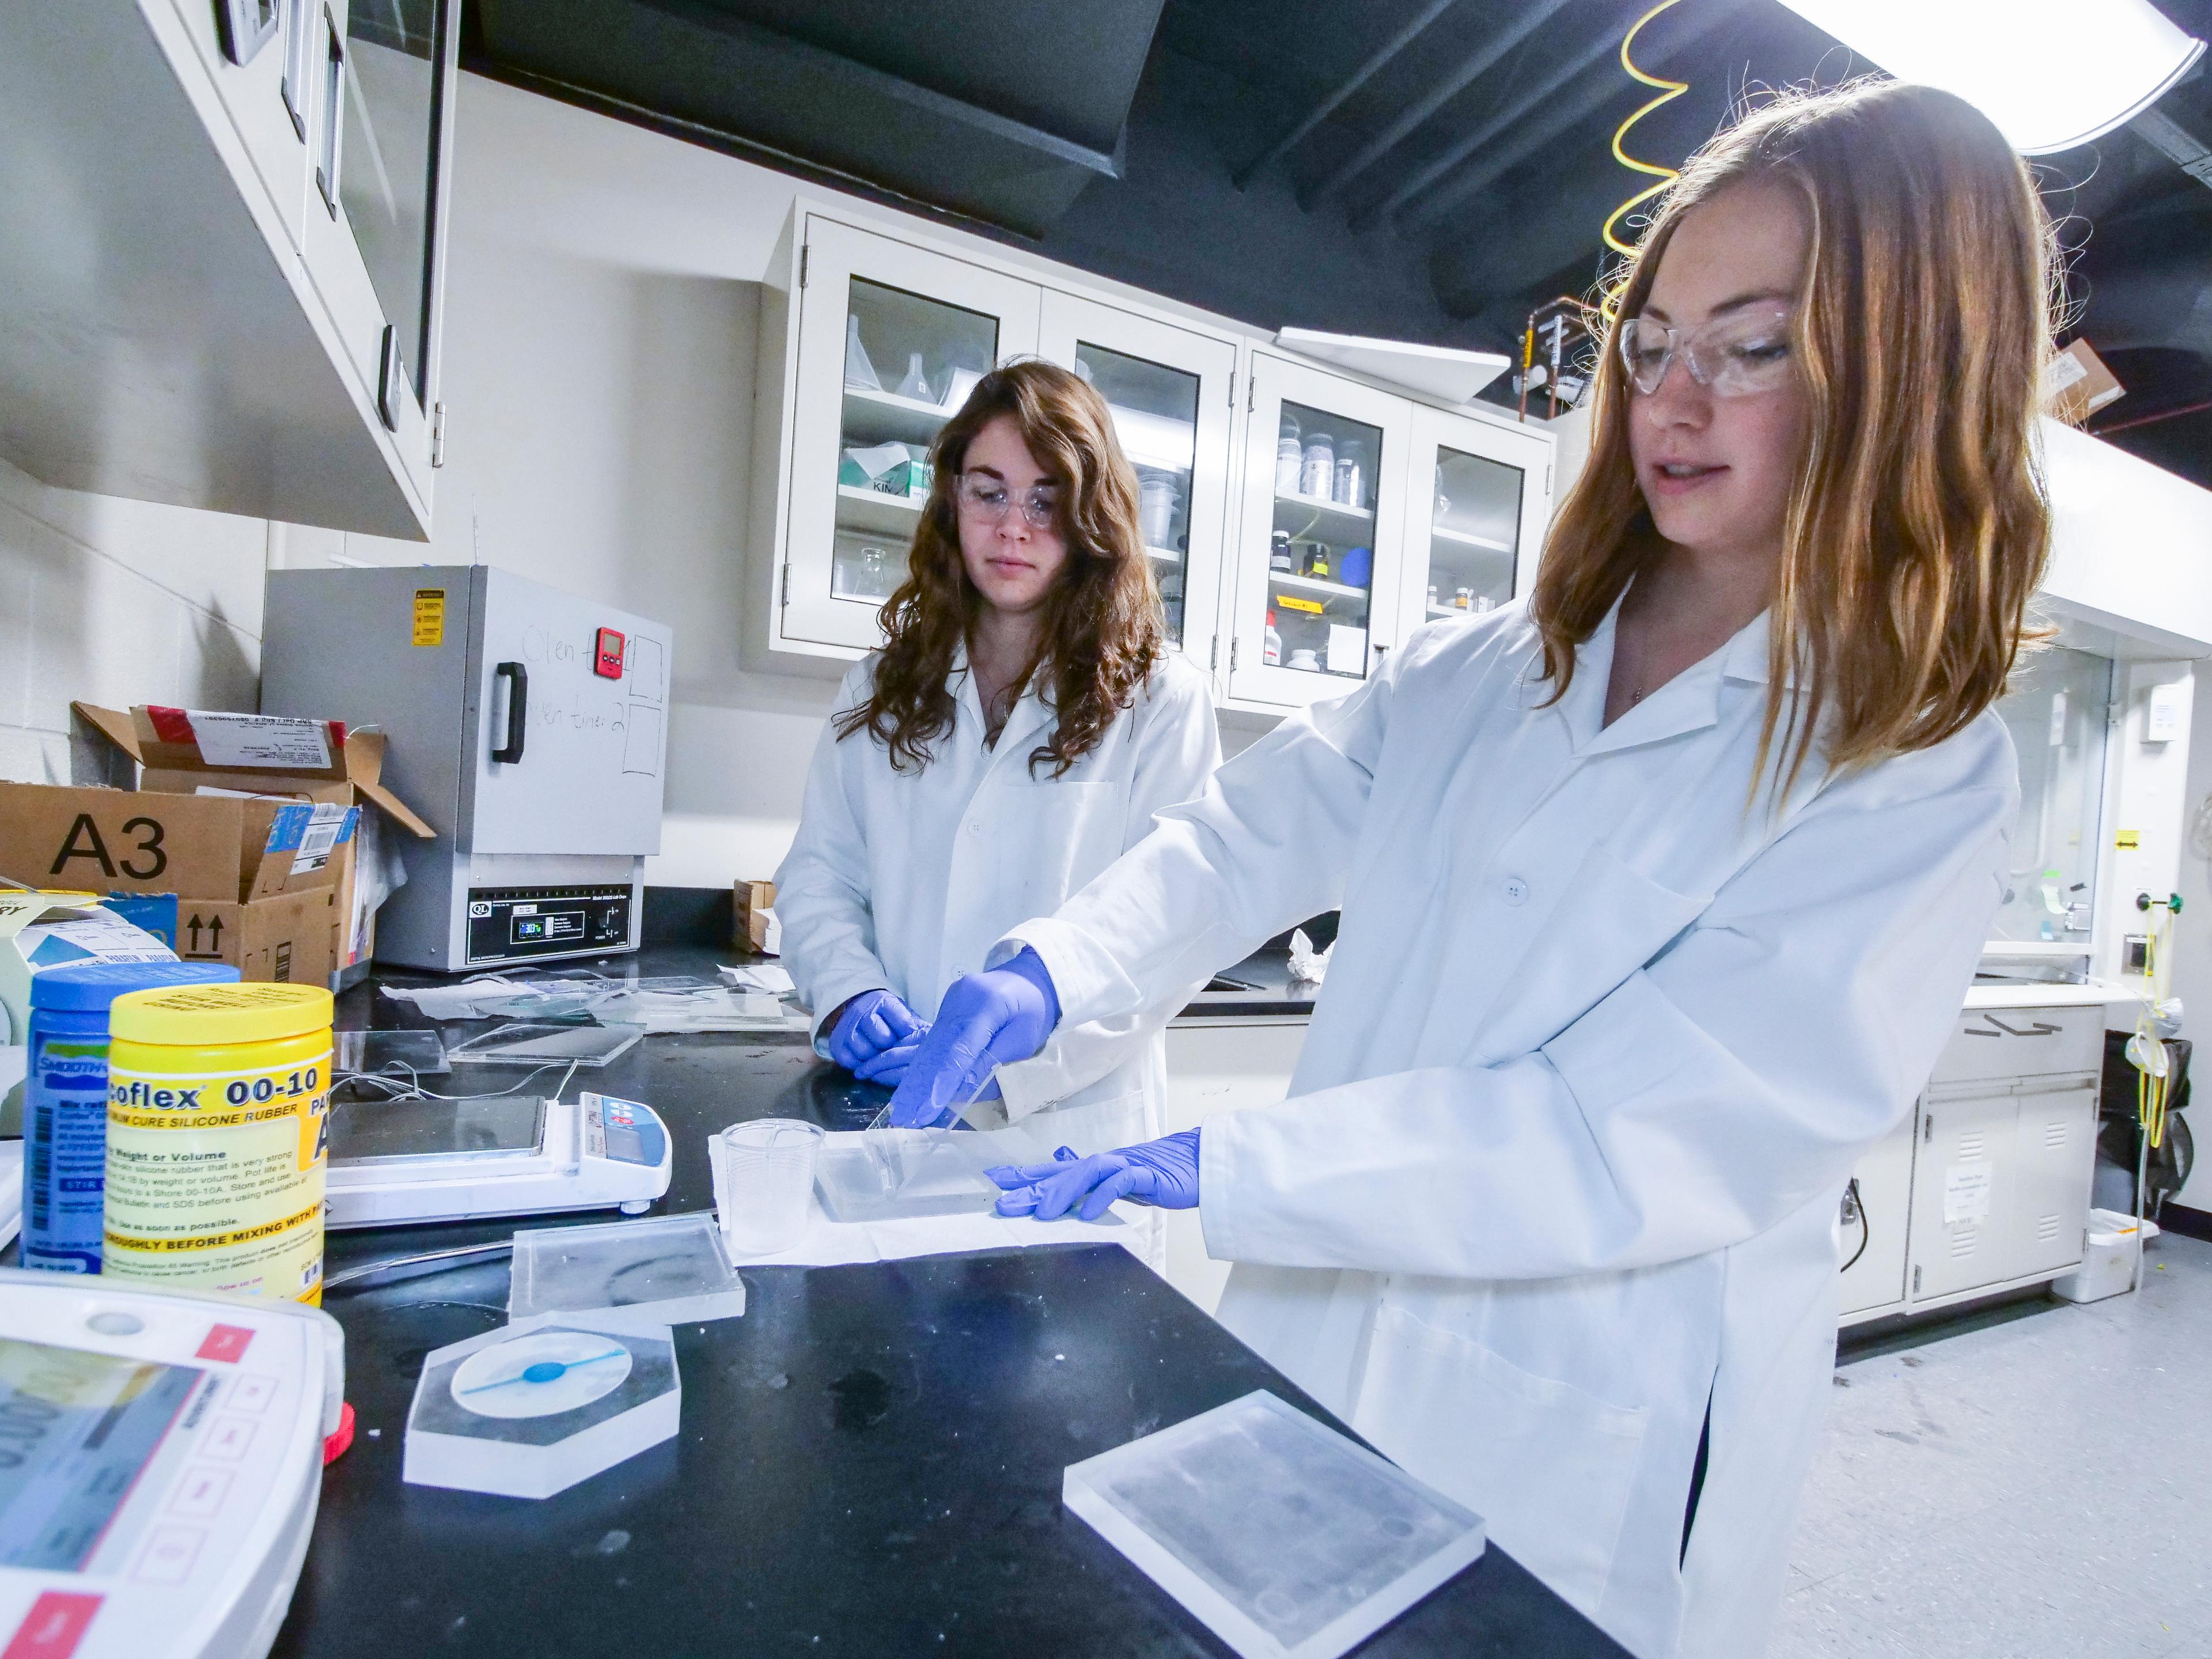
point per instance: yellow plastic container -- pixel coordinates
(218, 1115)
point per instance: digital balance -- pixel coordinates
(393, 1162)
(161, 1457)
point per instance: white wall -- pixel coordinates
(117, 602)
(602, 305)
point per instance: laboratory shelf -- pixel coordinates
(1436, 611)
(885, 417)
(1333, 516)
(1161, 556)
(1468, 538)
(872, 510)
(1315, 585)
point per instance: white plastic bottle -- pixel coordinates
(1272, 642)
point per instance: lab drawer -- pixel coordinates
(2009, 1042)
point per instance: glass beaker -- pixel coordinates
(764, 1181)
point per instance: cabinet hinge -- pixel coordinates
(1232, 388)
(438, 434)
(804, 251)
(786, 600)
(1547, 481)
(1916, 1281)
(1928, 1129)
(1232, 656)
(1248, 379)
(1213, 653)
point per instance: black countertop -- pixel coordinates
(870, 1459)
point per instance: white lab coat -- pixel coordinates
(1597, 1052)
(902, 882)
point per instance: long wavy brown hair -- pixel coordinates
(1917, 526)
(1104, 629)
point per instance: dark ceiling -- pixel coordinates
(1425, 169)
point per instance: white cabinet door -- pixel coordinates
(1964, 1195)
(892, 338)
(1170, 391)
(1317, 549)
(1884, 1201)
(253, 93)
(1477, 503)
(2056, 1155)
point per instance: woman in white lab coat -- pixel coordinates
(1659, 890)
(1021, 723)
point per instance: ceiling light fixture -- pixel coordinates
(2051, 74)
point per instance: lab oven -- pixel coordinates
(527, 726)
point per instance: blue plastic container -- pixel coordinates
(65, 1102)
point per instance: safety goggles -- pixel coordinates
(1743, 353)
(985, 498)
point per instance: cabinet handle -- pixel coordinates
(292, 85)
(518, 710)
(333, 104)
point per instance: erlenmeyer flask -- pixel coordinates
(916, 384)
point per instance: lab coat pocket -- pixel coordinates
(1050, 839)
(1547, 1465)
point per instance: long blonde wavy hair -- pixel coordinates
(1917, 526)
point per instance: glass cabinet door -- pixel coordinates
(1169, 389)
(2056, 711)
(891, 339)
(1476, 510)
(394, 120)
(1317, 551)
(375, 79)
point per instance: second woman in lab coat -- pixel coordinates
(1659, 890)
(1023, 722)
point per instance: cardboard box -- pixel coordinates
(2076, 384)
(757, 927)
(42, 930)
(186, 752)
(38, 931)
(233, 814)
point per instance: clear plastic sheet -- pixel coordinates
(1285, 1539)
(673, 1267)
(390, 1053)
(531, 1044)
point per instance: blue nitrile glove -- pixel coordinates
(1162, 1172)
(986, 1021)
(868, 1026)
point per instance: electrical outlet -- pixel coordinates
(2135, 953)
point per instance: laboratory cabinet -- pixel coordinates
(1985, 1185)
(1478, 501)
(1171, 390)
(221, 256)
(1296, 517)
(871, 342)
(1320, 540)
(1366, 513)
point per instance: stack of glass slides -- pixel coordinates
(1285, 1539)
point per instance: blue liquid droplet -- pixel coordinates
(543, 1372)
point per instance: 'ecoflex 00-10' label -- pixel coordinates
(215, 1180)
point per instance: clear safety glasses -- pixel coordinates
(1743, 353)
(984, 496)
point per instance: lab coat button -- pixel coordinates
(975, 828)
(1514, 890)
